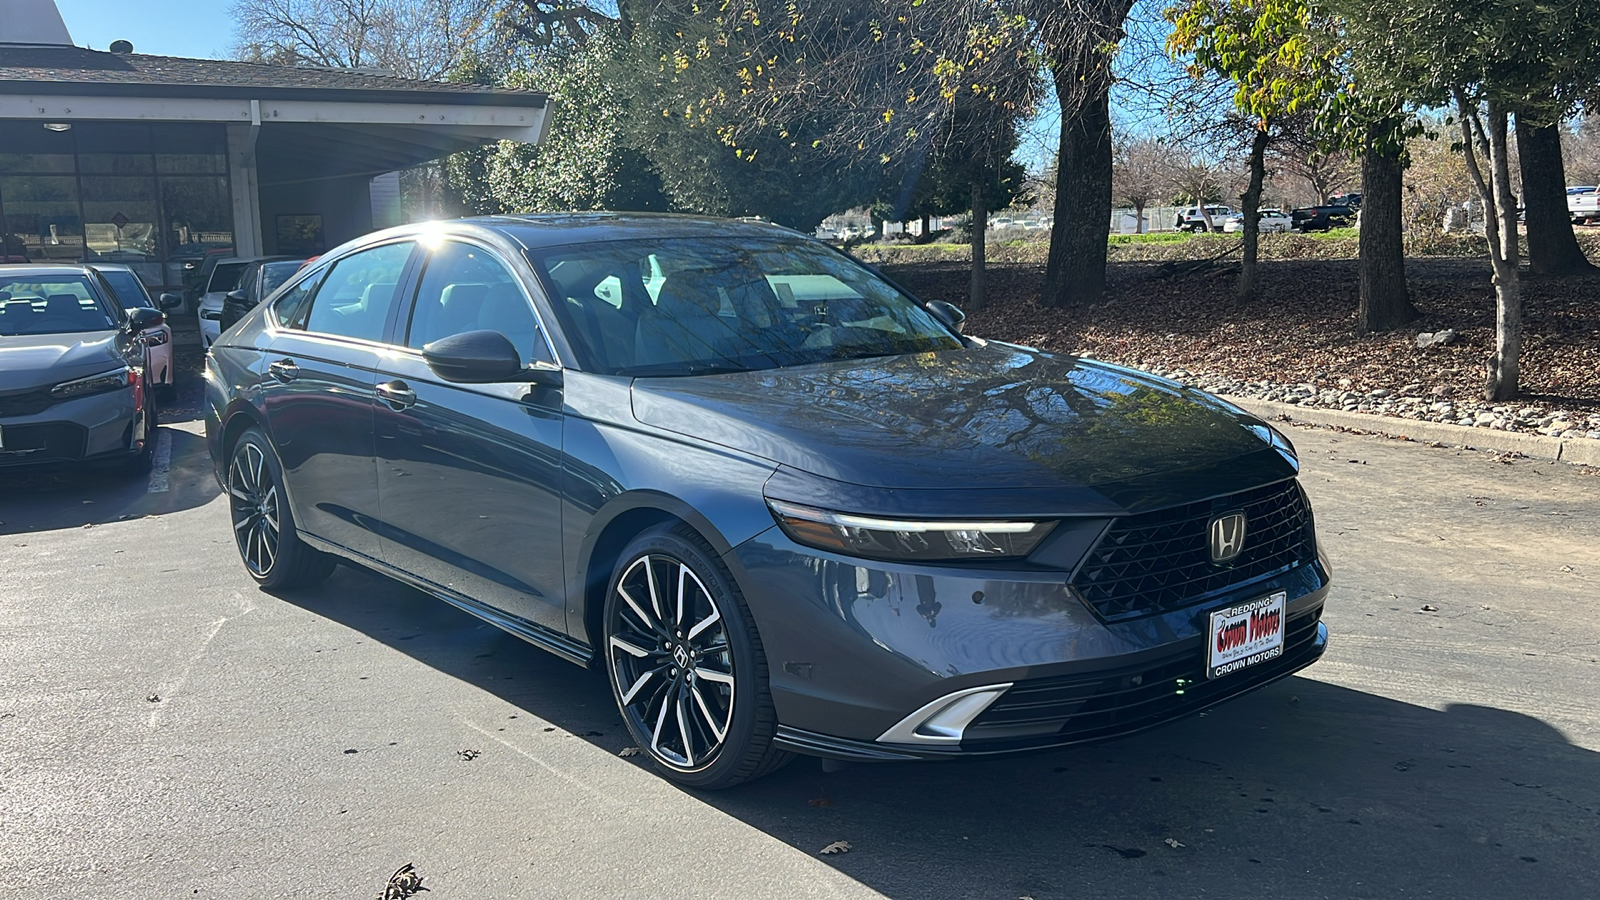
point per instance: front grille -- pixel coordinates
(42, 443)
(1104, 704)
(1159, 561)
(28, 404)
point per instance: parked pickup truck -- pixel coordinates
(1584, 206)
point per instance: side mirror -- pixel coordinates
(170, 301)
(144, 318)
(948, 313)
(236, 296)
(483, 357)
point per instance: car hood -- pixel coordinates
(33, 361)
(990, 416)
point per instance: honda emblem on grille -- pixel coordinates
(1227, 537)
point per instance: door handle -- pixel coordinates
(397, 394)
(284, 370)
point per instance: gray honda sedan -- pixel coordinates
(73, 385)
(783, 505)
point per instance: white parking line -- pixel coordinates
(161, 463)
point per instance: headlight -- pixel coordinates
(95, 384)
(907, 539)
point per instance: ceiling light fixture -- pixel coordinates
(57, 126)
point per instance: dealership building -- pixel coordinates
(158, 162)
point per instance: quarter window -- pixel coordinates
(466, 288)
(358, 292)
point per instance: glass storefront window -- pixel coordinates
(42, 218)
(199, 223)
(155, 197)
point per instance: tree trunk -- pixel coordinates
(926, 220)
(1552, 247)
(1076, 270)
(1381, 271)
(1505, 367)
(1138, 218)
(980, 227)
(1246, 289)
(1487, 140)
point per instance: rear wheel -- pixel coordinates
(685, 663)
(263, 525)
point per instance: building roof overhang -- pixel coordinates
(306, 123)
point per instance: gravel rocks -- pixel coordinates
(1528, 419)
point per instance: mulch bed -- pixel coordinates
(1302, 330)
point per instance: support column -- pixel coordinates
(243, 189)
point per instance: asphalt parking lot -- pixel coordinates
(168, 730)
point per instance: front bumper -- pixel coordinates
(85, 429)
(854, 647)
(210, 328)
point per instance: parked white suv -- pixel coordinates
(1192, 219)
(224, 278)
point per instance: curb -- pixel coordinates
(1580, 451)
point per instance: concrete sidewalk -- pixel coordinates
(1580, 451)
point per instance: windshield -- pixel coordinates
(274, 274)
(130, 293)
(687, 306)
(225, 277)
(50, 304)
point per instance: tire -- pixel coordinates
(263, 524)
(681, 677)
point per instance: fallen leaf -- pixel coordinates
(626, 752)
(468, 755)
(1174, 843)
(402, 884)
(154, 698)
(836, 847)
(1429, 607)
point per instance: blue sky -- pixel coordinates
(194, 28)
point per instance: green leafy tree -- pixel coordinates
(586, 162)
(1267, 49)
(1532, 57)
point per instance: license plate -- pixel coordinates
(1244, 635)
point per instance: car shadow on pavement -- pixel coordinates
(86, 496)
(1302, 788)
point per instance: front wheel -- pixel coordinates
(263, 525)
(685, 663)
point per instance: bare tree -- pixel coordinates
(1141, 173)
(1301, 154)
(421, 39)
(1580, 146)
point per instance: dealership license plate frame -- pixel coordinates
(1250, 651)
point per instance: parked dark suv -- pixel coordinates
(1321, 218)
(782, 504)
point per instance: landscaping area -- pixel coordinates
(1297, 343)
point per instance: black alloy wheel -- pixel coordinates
(685, 663)
(263, 526)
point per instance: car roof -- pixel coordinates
(44, 269)
(227, 260)
(111, 267)
(539, 230)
